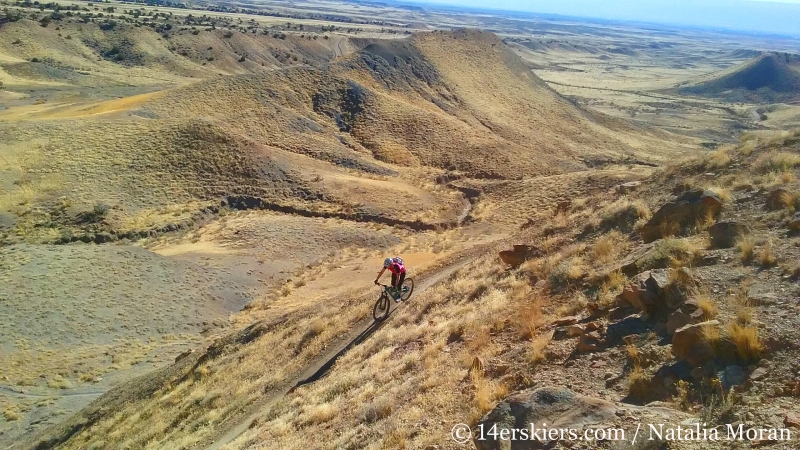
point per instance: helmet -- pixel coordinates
(387, 262)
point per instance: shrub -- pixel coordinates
(745, 338)
(767, 256)
(746, 246)
(228, 34)
(776, 162)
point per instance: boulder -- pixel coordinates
(557, 407)
(630, 326)
(565, 321)
(624, 188)
(620, 312)
(686, 209)
(688, 313)
(776, 197)
(630, 266)
(794, 224)
(591, 342)
(724, 234)
(792, 419)
(652, 292)
(732, 376)
(689, 343)
(575, 330)
(513, 258)
(677, 319)
(765, 299)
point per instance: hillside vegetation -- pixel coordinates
(573, 313)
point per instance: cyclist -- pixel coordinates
(398, 269)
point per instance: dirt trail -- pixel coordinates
(319, 365)
(14, 393)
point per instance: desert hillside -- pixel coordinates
(767, 78)
(665, 300)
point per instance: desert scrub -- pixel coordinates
(776, 162)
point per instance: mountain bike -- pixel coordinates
(384, 303)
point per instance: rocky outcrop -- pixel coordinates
(558, 407)
(654, 293)
(685, 210)
(725, 234)
(691, 344)
(519, 255)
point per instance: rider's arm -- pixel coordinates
(380, 274)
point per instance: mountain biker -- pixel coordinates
(398, 270)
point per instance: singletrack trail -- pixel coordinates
(320, 365)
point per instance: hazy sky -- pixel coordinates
(777, 16)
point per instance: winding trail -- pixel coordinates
(15, 393)
(320, 365)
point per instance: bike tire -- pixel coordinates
(381, 308)
(409, 283)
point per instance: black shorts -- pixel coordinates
(397, 281)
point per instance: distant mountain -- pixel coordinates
(770, 77)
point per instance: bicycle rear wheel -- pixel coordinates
(407, 289)
(381, 309)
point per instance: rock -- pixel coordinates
(561, 333)
(184, 355)
(513, 258)
(794, 224)
(759, 373)
(590, 342)
(677, 319)
(593, 326)
(685, 210)
(732, 376)
(660, 328)
(699, 374)
(652, 292)
(633, 325)
(775, 198)
(599, 364)
(763, 299)
(690, 345)
(630, 266)
(575, 330)
(792, 419)
(477, 366)
(624, 188)
(555, 406)
(724, 234)
(620, 313)
(564, 321)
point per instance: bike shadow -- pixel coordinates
(372, 328)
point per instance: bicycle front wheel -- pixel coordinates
(407, 289)
(381, 309)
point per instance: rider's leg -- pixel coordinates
(395, 287)
(400, 283)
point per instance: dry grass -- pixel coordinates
(487, 392)
(766, 256)
(746, 246)
(536, 352)
(718, 159)
(639, 384)
(745, 339)
(723, 193)
(744, 315)
(608, 247)
(776, 161)
(706, 304)
(11, 411)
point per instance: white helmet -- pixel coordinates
(387, 262)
